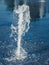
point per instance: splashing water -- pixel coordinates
(23, 16)
(23, 26)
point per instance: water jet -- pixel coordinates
(23, 13)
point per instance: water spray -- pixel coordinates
(23, 26)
